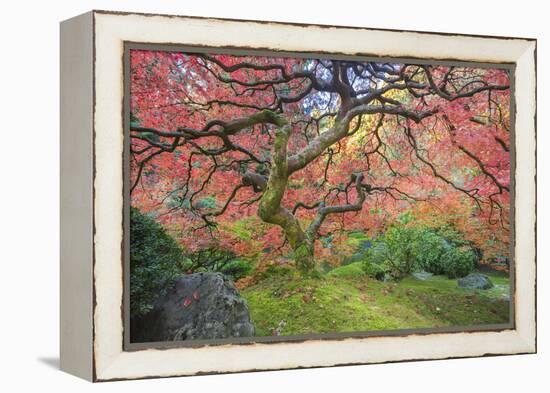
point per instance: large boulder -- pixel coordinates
(199, 306)
(475, 281)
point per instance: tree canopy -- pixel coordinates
(300, 150)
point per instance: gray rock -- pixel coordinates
(423, 276)
(475, 281)
(199, 306)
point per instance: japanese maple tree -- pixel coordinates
(316, 146)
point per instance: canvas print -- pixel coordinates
(296, 196)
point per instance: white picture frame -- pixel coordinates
(92, 142)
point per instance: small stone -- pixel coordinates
(422, 275)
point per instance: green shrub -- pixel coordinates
(155, 261)
(351, 270)
(428, 250)
(237, 268)
(217, 260)
(395, 249)
(374, 270)
(277, 270)
(405, 248)
(458, 262)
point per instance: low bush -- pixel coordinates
(429, 251)
(218, 260)
(274, 269)
(395, 249)
(374, 270)
(406, 247)
(458, 262)
(351, 270)
(236, 269)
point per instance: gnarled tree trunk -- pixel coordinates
(270, 209)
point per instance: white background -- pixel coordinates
(29, 197)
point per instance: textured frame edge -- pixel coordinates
(112, 363)
(76, 196)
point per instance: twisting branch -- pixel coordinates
(324, 211)
(302, 205)
(151, 135)
(227, 202)
(162, 149)
(226, 128)
(341, 129)
(440, 91)
(500, 186)
(412, 141)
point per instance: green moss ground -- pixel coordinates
(346, 300)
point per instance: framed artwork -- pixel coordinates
(245, 195)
